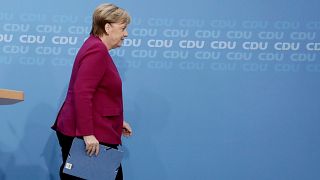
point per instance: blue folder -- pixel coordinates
(104, 166)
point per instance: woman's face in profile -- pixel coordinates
(117, 32)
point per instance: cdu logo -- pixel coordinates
(223, 66)
(191, 44)
(271, 56)
(79, 30)
(143, 32)
(129, 64)
(191, 23)
(16, 27)
(144, 53)
(6, 37)
(255, 24)
(223, 24)
(175, 33)
(175, 54)
(286, 46)
(31, 17)
(32, 39)
(64, 40)
(160, 22)
(254, 67)
(239, 34)
(286, 25)
(62, 62)
(13, 49)
(32, 61)
(239, 56)
(270, 35)
(255, 45)
(160, 65)
(117, 52)
(287, 67)
(46, 50)
(223, 44)
(131, 42)
(303, 35)
(157, 43)
(207, 55)
(64, 19)
(48, 29)
(313, 46)
(185, 65)
(302, 57)
(207, 34)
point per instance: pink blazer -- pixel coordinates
(93, 105)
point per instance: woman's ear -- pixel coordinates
(107, 27)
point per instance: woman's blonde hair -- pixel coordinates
(107, 13)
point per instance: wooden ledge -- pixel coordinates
(10, 96)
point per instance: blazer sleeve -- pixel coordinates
(90, 73)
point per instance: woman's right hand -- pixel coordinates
(92, 145)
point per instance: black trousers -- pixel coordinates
(65, 143)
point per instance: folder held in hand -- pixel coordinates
(104, 166)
